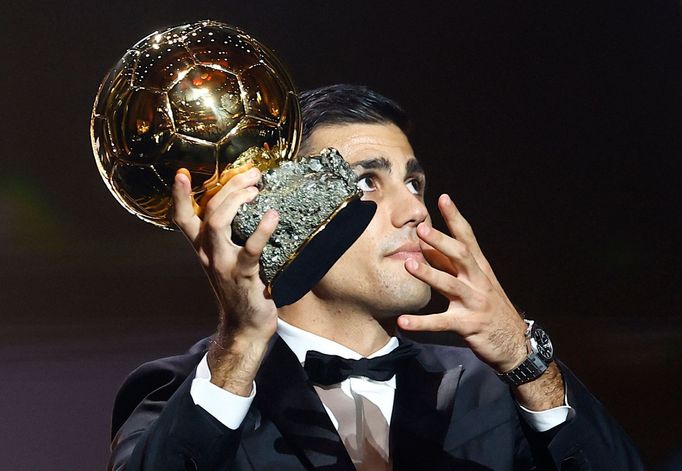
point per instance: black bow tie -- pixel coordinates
(325, 369)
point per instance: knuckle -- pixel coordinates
(460, 251)
(212, 204)
(475, 327)
(453, 285)
(248, 193)
(235, 180)
(214, 224)
(245, 177)
(250, 249)
(480, 302)
(437, 236)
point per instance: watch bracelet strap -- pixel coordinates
(530, 369)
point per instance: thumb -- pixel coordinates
(184, 215)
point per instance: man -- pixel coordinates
(242, 399)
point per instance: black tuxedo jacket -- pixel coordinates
(450, 412)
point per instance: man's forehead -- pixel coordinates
(380, 146)
(361, 137)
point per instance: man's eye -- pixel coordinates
(366, 183)
(415, 186)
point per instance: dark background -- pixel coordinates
(555, 126)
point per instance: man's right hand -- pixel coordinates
(248, 316)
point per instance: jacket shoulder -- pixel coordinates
(154, 380)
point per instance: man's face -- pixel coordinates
(371, 275)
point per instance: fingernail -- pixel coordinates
(424, 229)
(405, 322)
(446, 199)
(412, 264)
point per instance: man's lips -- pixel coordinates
(409, 250)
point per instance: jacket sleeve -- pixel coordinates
(157, 426)
(589, 440)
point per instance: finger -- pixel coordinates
(440, 322)
(216, 182)
(445, 283)
(247, 261)
(238, 182)
(184, 215)
(436, 259)
(458, 253)
(460, 228)
(227, 174)
(218, 224)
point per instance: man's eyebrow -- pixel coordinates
(413, 166)
(378, 163)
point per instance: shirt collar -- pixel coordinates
(300, 341)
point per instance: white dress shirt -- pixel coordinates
(230, 409)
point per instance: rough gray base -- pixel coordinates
(305, 192)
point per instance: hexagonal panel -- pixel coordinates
(206, 103)
(227, 49)
(251, 132)
(139, 189)
(142, 125)
(118, 79)
(289, 124)
(101, 145)
(264, 93)
(160, 66)
(197, 157)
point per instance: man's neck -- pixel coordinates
(349, 326)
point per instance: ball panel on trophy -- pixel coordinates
(206, 103)
(100, 144)
(162, 65)
(265, 95)
(290, 111)
(228, 50)
(140, 189)
(142, 125)
(117, 80)
(199, 157)
(178, 99)
(251, 133)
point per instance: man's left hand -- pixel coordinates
(479, 310)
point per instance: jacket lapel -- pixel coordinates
(422, 409)
(286, 397)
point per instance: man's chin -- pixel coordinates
(414, 295)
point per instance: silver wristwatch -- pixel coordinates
(540, 355)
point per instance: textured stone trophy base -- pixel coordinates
(320, 216)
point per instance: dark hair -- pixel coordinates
(348, 104)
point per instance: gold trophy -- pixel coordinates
(196, 96)
(209, 98)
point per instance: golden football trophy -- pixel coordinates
(197, 96)
(211, 99)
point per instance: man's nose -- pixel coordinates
(408, 209)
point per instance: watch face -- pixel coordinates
(543, 344)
